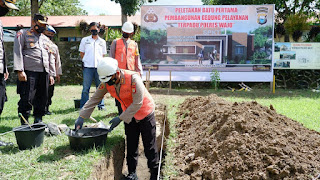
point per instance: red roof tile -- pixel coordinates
(68, 21)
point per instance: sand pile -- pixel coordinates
(218, 139)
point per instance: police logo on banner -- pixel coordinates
(150, 16)
(262, 13)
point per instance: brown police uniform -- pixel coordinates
(32, 53)
(56, 56)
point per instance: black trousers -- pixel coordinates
(33, 93)
(3, 95)
(147, 129)
(50, 94)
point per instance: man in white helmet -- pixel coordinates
(138, 112)
(126, 52)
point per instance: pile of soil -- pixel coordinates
(218, 139)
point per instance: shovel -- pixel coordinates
(25, 120)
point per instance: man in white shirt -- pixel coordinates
(92, 48)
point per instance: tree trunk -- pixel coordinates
(286, 38)
(34, 7)
(123, 17)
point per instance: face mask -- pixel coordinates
(39, 29)
(112, 81)
(50, 37)
(125, 35)
(3, 11)
(94, 32)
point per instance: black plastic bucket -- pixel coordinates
(77, 103)
(87, 138)
(28, 138)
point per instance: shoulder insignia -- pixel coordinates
(19, 34)
(134, 89)
(101, 86)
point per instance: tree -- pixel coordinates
(130, 7)
(295, 24)
(48, 8)
(284, 9)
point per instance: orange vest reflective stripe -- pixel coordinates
(125, 57)
(125, 96)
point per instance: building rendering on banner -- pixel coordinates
(213, 42)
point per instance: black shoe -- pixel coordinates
(37, 119)
(131, 176)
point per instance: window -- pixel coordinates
(185, 49)
(239, 49)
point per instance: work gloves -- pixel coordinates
(114, 123)
(78, 123)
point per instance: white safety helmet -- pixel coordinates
(51, 29)
(107, 67)
(127, 27)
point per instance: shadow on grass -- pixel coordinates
(9, 149)
(64, 111)
(65, 151)
(68, 122)
(10, 118)
(4, 129)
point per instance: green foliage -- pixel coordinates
(50, 8)
(153, 36)
(215, 78)
(262, 42)
(130, 7)
(285, 10)
(114, 34)
(153, 41)
(137, 35)
(295, 24)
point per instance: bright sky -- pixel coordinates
(109, 7)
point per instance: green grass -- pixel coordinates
(54, 159)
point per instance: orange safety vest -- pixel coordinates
(125, 57)
(125, 96)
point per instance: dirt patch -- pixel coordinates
(111, 166)
(218, 139)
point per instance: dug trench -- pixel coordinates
(218, 139)
(113, 165)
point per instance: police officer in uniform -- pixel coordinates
(50, 32)
(138, 112)
(35, 68)
(126, 52)
(5, 6)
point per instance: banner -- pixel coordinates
(188, 40)
(296, 55)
